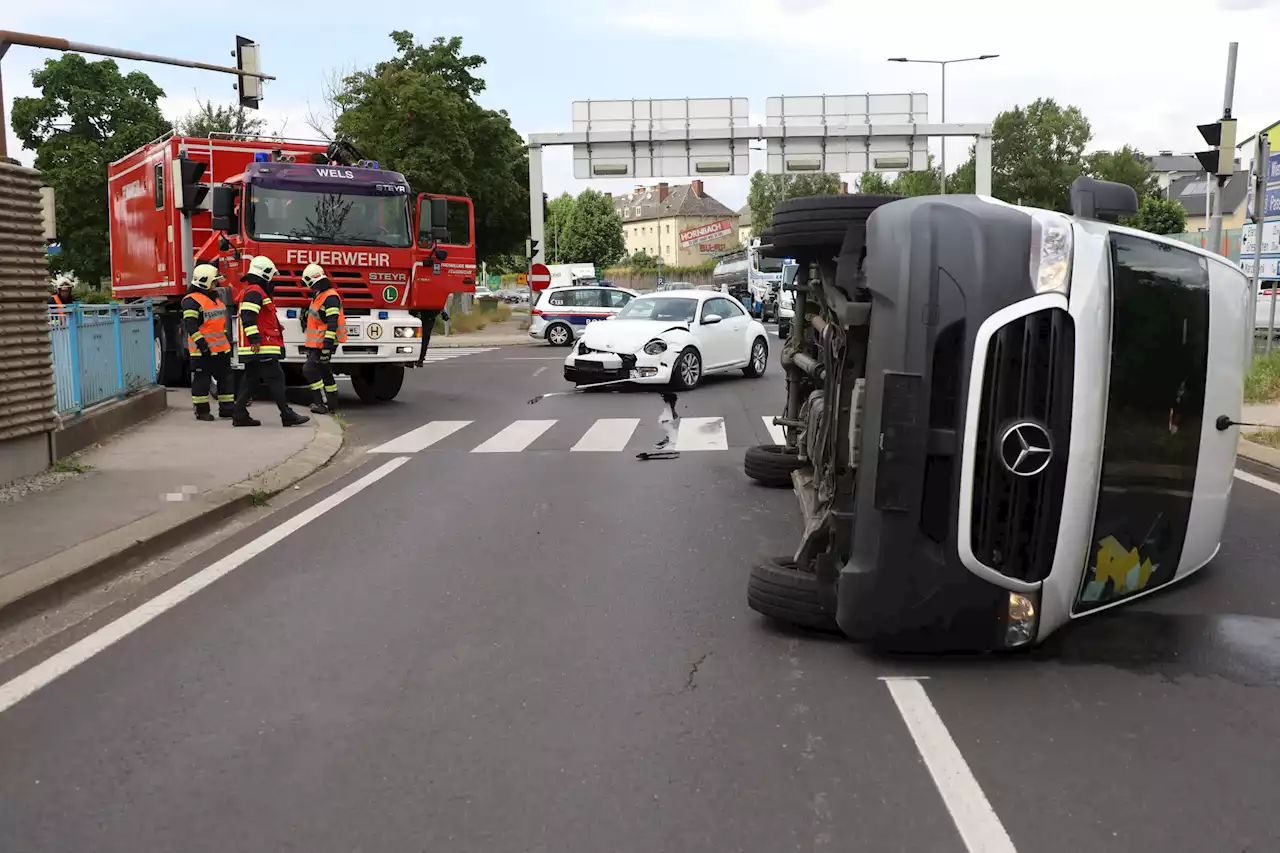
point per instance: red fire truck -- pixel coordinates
(298, 202)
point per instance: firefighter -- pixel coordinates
(62, 294)
(261, 346)
(204, 319)
(326, 327)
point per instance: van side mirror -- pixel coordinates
(223, 209)
(1105, 201)
(789, 274)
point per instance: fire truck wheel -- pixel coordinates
(771, 465)
(377, 383)
(781, 591)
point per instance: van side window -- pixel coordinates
(158, 181)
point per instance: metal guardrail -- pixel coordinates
(100, 352)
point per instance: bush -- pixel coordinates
(1263, 382)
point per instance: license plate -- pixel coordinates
(353, 331)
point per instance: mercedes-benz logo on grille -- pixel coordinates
(1025, 448)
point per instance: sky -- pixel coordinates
(1144, 72)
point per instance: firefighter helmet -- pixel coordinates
(313, 274)
(263, 267)
(206, 276)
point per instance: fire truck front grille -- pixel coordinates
(1026, 404)
(351, 286)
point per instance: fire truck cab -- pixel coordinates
(394, 259)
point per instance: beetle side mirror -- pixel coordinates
(711, 319)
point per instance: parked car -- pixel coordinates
(562, 313)
(673, 337)
(786, 313)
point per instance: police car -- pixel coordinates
(561, 314)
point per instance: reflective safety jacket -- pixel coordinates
(326, 320)
(259, 326)
(204, 317)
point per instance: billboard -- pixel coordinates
(705, 233)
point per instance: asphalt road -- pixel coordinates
(550, 650)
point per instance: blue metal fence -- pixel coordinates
(100, 352)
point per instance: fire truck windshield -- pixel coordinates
(333, 218)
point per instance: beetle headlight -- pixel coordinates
(655, 348)
(1051, 243)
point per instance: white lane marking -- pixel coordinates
(515, 437)
(45, 672)
(608, 434)
(775, 431)
(539, 370)
(979, 827)
(702, 434)
(421, 438)
(1255, 480)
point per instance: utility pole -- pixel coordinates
(1220, 162)
(245, 69)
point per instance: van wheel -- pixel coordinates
(771, 464)
(559, 335)
(781, 591)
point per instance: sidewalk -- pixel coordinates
(506, 334)
(140, 490)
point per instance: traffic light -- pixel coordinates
(530, 248)
(1221, 159)
(250, 88)
(190, 193)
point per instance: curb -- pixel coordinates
(140, 540)
(452, 342)
(1267, 458)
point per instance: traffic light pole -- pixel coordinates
(8, 38)
(1215, 199)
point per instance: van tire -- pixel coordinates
(822, 222)
(771, 465)
(779, 590)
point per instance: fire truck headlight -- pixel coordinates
(408, 331)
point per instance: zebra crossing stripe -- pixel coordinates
(608, 434)
(702, 434)
(775, 431)
(515, 437)
(421, 438)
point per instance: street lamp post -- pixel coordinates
(943, 63)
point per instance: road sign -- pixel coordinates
(539, 277)
(495, 282)
(522, 279)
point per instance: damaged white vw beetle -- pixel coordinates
(670, 338)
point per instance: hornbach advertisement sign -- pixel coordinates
(705, 233)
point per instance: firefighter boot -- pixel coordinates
(226, 408)
(202, 412)
(318, 407)
(245, 421)
(292, 418)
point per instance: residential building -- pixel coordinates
(1191, 191)
(744, 226)
(680, 224)
(1168, 167)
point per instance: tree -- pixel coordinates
(87, 115)
(1160, 216)
(1036, 152)
(766, 191)
(207, 119)
(1125, 166)
(592, 234)
(875, 183)
(559, 210)
(416, 113)
(927, 182)
(642, 260)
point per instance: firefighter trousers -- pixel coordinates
(267, 372)
(324, 387)
(207, 370)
